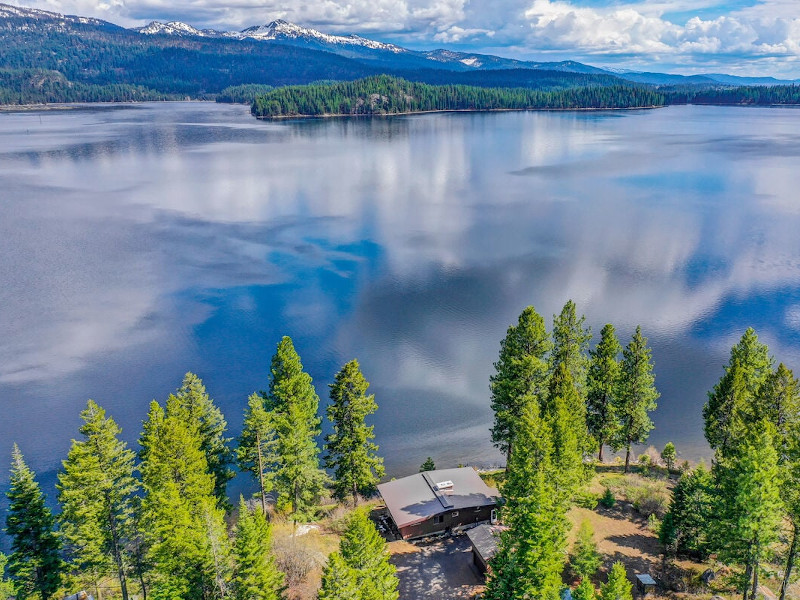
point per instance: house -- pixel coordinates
(484, 539)
(434, 502)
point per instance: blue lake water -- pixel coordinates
(139, 242)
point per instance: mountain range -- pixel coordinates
(49, 57)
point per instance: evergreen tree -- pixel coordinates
(193, 405)
(338, 580)
(750, 511)
(602, 384)
(96, 492)
(186, 536)
(565, 413)
(530, 556)
(256, 453)
(636, 397)
(685, 528)
(350, 450)
(618, 587)
(748, 368)
(365, 552)
(570, 346)
(428, 465)
(585, 590)
(521, 370)
(35, 563)
(585, 559)
(256, 575)
(6, 587)
(668, 455)
(294, 404)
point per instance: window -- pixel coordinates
(438, 519)
(454, 513)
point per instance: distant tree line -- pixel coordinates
(383, 94)
(159, 522)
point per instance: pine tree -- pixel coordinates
(6, 587)
(585, 559)
(750, 511)
(96, 492)
(338, 580)
(636, 397)
(585, 590)
(685, 528)
(35, 563)
(193, 405)
(570, 346)
(668, 455)
(530, 555)
(186, 537)
(602, 384)
(350, 450)
(565, 413)
(256, 575)
(294, 404)
(365, 552)
(748, 368)
(521, 370)
(256, 453)
(428, 465)
(618, 587)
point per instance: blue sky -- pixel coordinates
(743, 37)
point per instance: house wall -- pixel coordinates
(449, 521)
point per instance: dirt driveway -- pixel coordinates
(441, 570)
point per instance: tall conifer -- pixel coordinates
(294, 404)
(602, 384)
(35, 563)
(256, 576)
(521, 370)
(636, 396)
(96, 492)
(351, 453)
(571, 345)
(256, 453)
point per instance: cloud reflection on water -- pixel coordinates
(143, 242)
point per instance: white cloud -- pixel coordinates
(628, 33)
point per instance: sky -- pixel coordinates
(741, 37)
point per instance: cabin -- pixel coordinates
(484, 539)
(439, 502)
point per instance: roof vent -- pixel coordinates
(444, 485)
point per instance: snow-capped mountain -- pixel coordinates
(283, 30)
(176, 28)
(46, 17)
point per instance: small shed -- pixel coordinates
(484, 539)
(435, 502)
(645, 584)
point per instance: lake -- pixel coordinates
(138, 242)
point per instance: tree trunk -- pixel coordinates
(628, 458)
(600, 455)
(789, 562)
(261, 477)
(508, 456)
(754, 595)
(747, 572)
(355, 493)
(117, 552)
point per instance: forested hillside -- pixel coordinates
(389, 95)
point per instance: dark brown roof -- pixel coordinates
(415, 498)
(485, 539)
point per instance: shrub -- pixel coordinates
(607, 500)
(585, 559)
(586, 499)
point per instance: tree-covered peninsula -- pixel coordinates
(386, 95)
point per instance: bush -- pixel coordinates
(586, 499)
(654, 523)
(607, 500)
